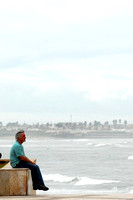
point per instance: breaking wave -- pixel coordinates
(100, 145)
(58, 178)
(78, 180)
(89, 181)
(130, 157)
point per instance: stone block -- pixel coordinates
(15, 181)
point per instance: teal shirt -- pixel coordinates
(16, 151)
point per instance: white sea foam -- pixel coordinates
(131, 191)
(70, 191)
(5, 145)
(130, 158)
(89, 181)
(81, 140)
(79, 180)
(90, 143)
(58, 178)
(120, 145)
(100, 145)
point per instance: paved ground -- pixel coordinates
(71, 197)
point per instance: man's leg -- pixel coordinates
(35, 172)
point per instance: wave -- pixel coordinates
(124, 144)
(81, 140)
(79, 180)
(58, 178)
(130, 157)
(100, 145)
(114, 190)
(78, 191)
(90, 143)
(89, 181)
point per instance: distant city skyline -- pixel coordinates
(113, 121)
(67, 127)
(62, 58)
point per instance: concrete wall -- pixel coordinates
(15, 182)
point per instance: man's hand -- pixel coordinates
(24, 158)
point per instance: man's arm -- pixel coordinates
(24, 158)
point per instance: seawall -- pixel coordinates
(71, 197)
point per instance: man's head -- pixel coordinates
(20, 136)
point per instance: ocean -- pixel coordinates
(96, 163)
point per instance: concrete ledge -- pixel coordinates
(74, 197)
(15, 181)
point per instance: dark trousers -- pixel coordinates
(35, 173)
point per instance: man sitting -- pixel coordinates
(19, 160)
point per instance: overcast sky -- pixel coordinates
(66, 57)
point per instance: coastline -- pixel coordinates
(72, 197)
(77, 133)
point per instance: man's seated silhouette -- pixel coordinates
(19, 160)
